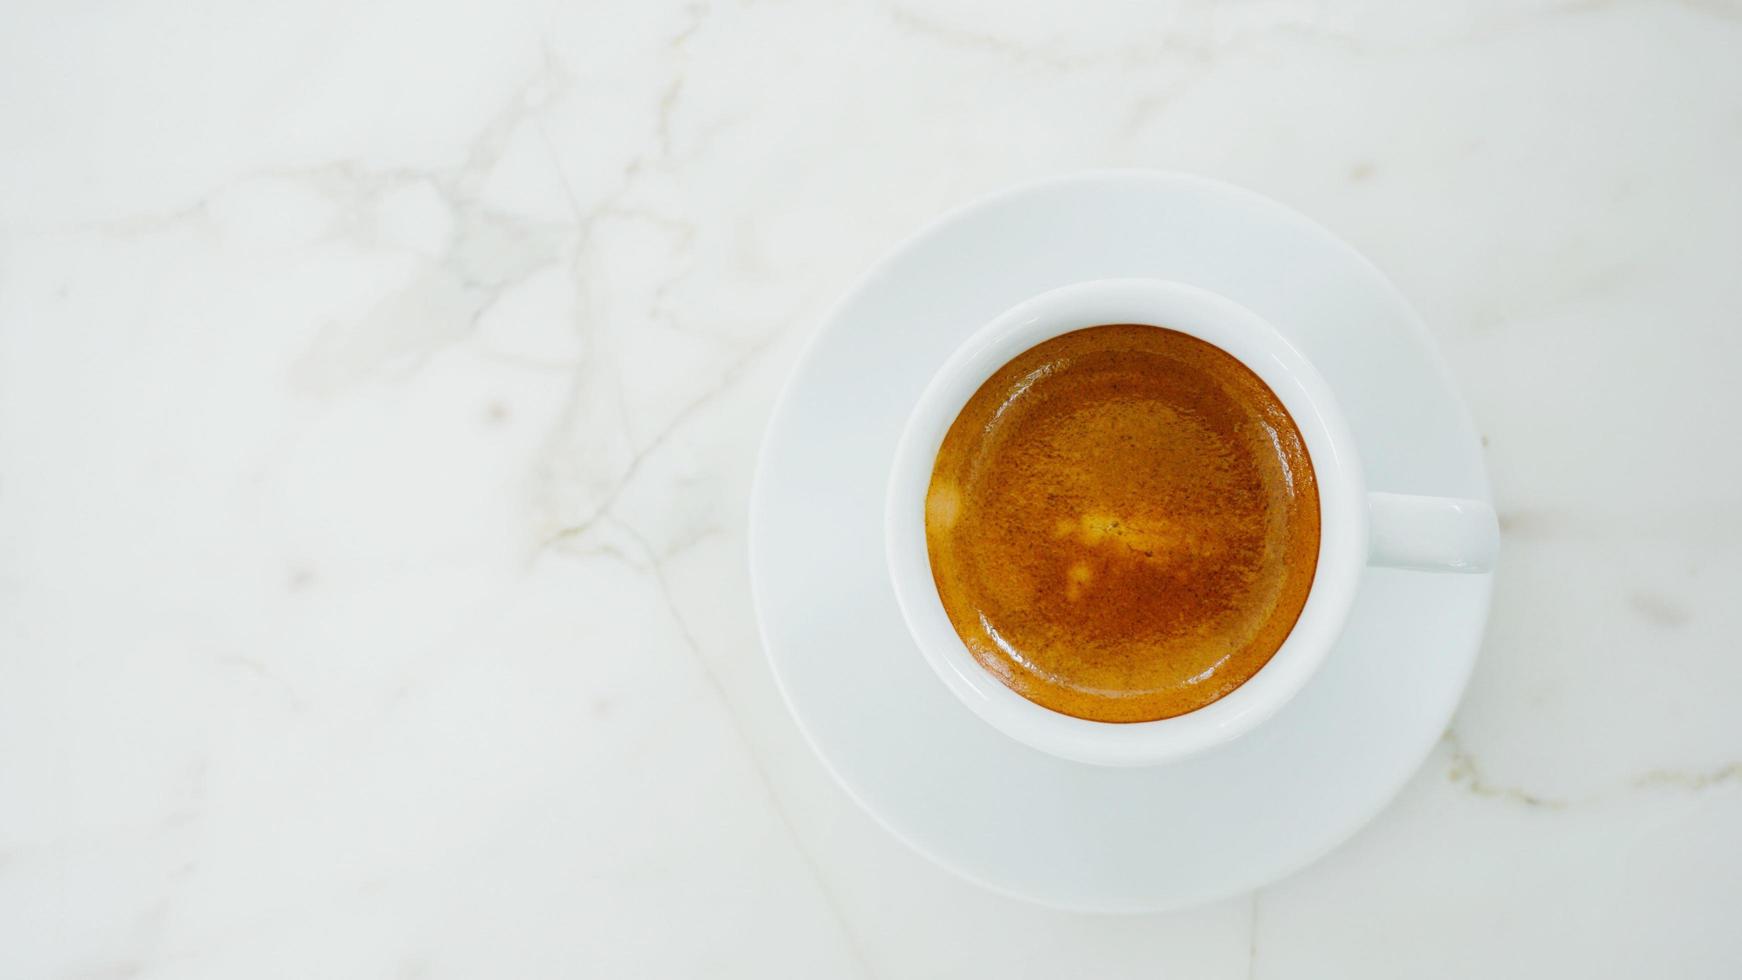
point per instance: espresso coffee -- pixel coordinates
(1123, 523)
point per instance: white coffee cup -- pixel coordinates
(1357, 527)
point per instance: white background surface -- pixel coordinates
(379, 391)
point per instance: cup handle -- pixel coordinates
(1431, 534)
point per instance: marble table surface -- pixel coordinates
(380, 386)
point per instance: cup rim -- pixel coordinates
(1249, 338)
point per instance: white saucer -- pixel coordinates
(1007, 816)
